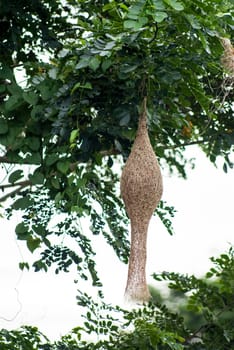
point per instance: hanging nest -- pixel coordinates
(141, 190)
(227, 59)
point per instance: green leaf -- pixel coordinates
(204, 42)
(33, 243)
(16, 175)
(106, 64)
(73, 136)
(23, 265)
(22, 231)
(2, 89)
(55, 183)
(136, 9)
(83, 63)
(81, 86)
(51, 159)
(37, 178)
(75, 87)
(33, 143)
(128, 68)
(136, 25)
(14, 89)
(225, 167)
(21, 228)
(160, 16)
(176, 5)
(37, 111)
(39, 229)
(46, 89)
(58, 198)
(53, 73)
(22, 203)
(3, 126)
(159, 5)
(12, 103)
(6, 73)
(125, 120)
(193, 21)
(94, 63)
(31, 98)
(33, 158)
(39, 265)
(63, 166)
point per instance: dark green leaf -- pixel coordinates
(30, 97)
(125, 120)
(22, 231)
(15, 176)
(225, 167)
(23, 265)
(51, 159)
(12, 103)
(33, 143)
(22, 203)
(21, 228)
(63, 166)
(37, 178)
(3, 126)
(33, 243)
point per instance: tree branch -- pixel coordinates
(194, 335)
(6, 160)
(185, 144)
(21, 184)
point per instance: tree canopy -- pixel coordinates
(73, 75)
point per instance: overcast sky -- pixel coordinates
(203, 228)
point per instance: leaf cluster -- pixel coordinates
(152, 326)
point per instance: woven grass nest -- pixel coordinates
(227, 58)
(141, 189)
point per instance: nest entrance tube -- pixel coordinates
(141, 190)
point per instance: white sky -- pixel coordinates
(203, 228)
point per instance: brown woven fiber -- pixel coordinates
(227, 58)
(141, 190)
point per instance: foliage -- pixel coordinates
(26, 338)
(153, 326)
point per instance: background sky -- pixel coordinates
(203, 228)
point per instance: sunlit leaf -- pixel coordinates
(159, 16)
(176, 5)
(94, 63)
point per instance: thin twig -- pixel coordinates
(194, 335)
